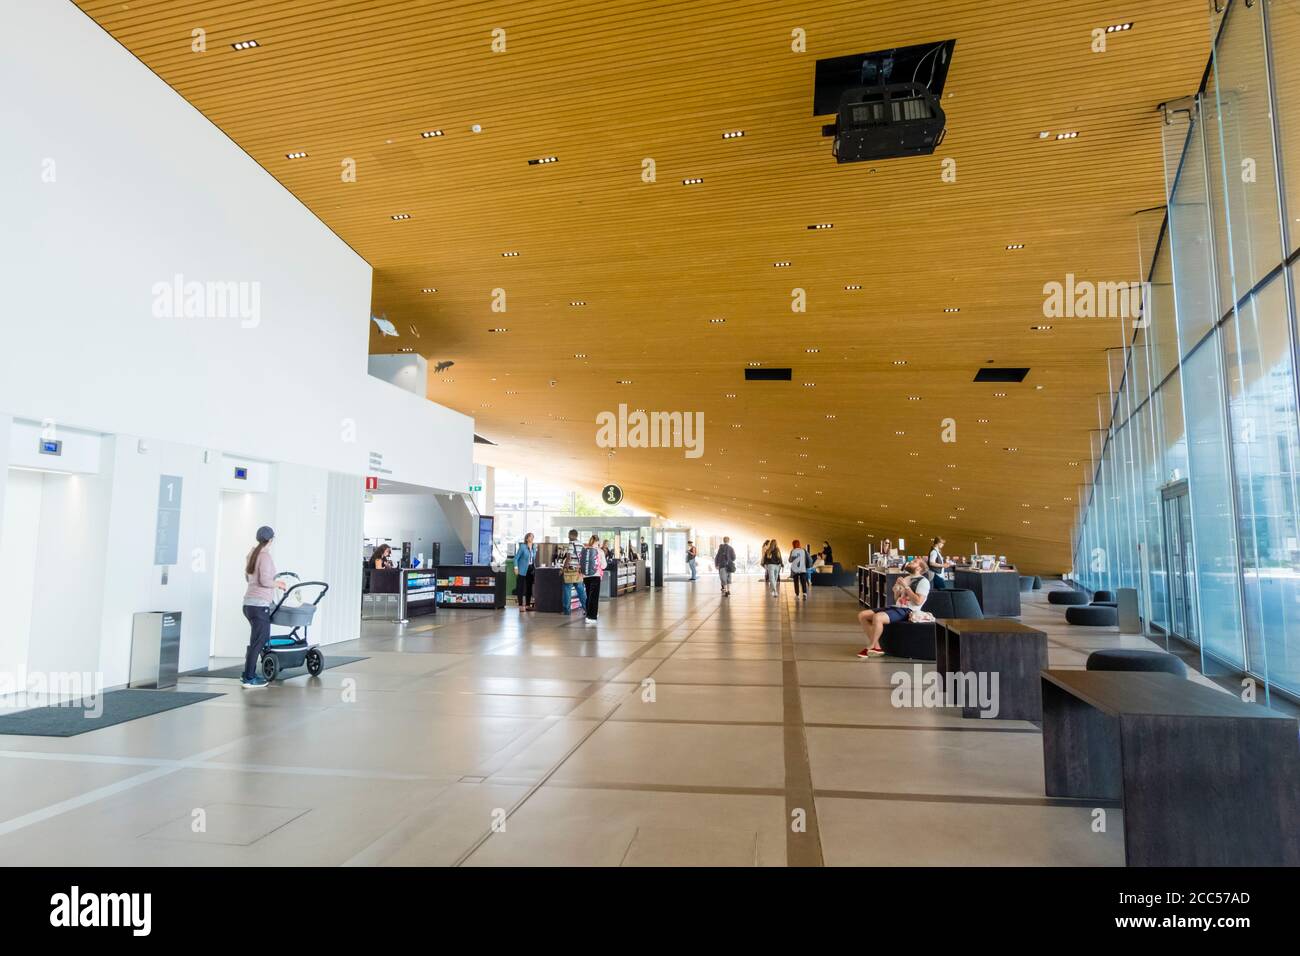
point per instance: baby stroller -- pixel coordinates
(290, 650)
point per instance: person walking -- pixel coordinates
(525, 572)
(593, 573)
(814, 562)
(725, 562)
(691, 554)
(799, 569)
(772, 564)
(259, 596)
(570, 560)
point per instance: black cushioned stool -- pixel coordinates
(1026, 584)
(1066, 597)
(1093, 615)
(1132, 659)
(1103, 597)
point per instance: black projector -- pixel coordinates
(886, 122)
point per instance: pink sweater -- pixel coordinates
(261, 583)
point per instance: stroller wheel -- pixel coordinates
(315, 662)
(270, 667)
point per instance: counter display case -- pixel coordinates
(470, 585)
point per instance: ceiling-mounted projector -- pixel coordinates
(883, 122)
(886, 103)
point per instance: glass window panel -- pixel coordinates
(1284, 36)
(1190, 239)
(1244, 183)
(1262, 403)
(1214, 536)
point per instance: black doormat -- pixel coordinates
(83, 716)
(237, 670)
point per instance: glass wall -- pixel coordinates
(1195, 489)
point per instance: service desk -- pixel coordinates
(997, 591)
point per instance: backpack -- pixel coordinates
(587, 563)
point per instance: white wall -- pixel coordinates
(22, 517)
(111, 185)
(242, 513)
(419, 519)
(111, 188)
(409, 371)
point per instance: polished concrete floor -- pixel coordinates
(683, 729)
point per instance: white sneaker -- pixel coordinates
(590, 620)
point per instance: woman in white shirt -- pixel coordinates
(938, 563)
(799, 569)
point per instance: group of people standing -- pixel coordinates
(803, 563)
(581, 567)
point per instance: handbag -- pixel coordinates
(731, 567)
(572, 577)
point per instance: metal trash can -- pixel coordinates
(155, 649)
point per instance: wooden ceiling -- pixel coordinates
(605, 85)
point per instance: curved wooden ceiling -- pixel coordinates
(606, 84)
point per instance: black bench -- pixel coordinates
(917, 641)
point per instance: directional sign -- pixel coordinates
(611, 494)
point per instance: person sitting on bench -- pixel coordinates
(910, 592)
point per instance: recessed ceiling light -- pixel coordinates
(1043, 134)
(579, 354)
(830, 416)
(1119, 27)
(1015, 245)
(430, 133)
(1070, 135)
(406, 350)
(401, 215)
(498, 330)
(999, 394)
(693, 181)
(804, 438)
(578, 302)
(812, 351)
(809, 384)
(428, 291)
(735, 425)
(1040, 328)
(734, 134)
(983, 421)
(900, 361)
(755, 364)
(1039, 388)
(509, 255)
(298, 155)
(543, 161)
(624, 381)
(1012, 449)
(245, 44)
(716, 321)
(952, 310)
(900, 433)
(852, 288)
(914, 398)
(1073, 464)
(822, 225)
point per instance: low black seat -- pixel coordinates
(1067, 597)
(1026, 583)
(916, 641)
(1092, 615)
(1132, 659)
(1038, 583)
(1103, 597)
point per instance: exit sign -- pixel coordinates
(475, 487)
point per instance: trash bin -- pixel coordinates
(155, 649)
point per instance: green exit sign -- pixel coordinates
(475, 487)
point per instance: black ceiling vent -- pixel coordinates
(1001, 374)
(768, 374)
